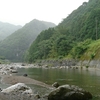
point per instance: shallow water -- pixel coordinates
(3, 85)
(88, 79)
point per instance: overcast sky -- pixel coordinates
(20, 12)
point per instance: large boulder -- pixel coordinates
(19, 87)
(19, 91)
(67, 92)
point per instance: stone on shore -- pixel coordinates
(67, 92)
(56, 85)
(19, 87)
(25, 75)
(14, 71)
(19, 91)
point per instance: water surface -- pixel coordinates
(88, 79)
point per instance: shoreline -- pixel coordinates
(21, 79)
(8, 73)
(8, 77)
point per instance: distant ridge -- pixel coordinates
(15, 45)
(6, 29)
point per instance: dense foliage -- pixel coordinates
(82, 25)
(79, 49)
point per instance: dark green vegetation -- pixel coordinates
(72, 37)
(93, 51)
(6, 29)
(4, 61)
(14, 46)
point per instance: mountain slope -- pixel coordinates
(92, 52)
(83, 23)
(6, 29)
(14, 46)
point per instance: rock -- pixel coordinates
(23, 64)
(37, 96)
(67, 92)
(4, 72)
(0, 89)
(11, 67)
(56, 85)
(14, 71)
(25, 75)
(18, 91)
(19, 87)
(46, 66)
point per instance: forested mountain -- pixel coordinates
(82, 25)
(14, 46)
(6, 29)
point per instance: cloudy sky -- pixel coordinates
(20, 12)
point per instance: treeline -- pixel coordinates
(71, 37)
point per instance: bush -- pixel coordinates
(80, 48)
(87, 66)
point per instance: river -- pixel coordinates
(88, 79)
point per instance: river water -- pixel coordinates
(88, 79)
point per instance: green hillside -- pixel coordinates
(80, 28)
(14, 46)
(6, 29)
(86, 50)
(93, 51)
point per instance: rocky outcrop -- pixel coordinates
(67, 92)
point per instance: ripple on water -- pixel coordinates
(64, 79)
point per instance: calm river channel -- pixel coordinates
(88, 79)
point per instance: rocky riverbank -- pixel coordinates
(69, 63)
(18, 89)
